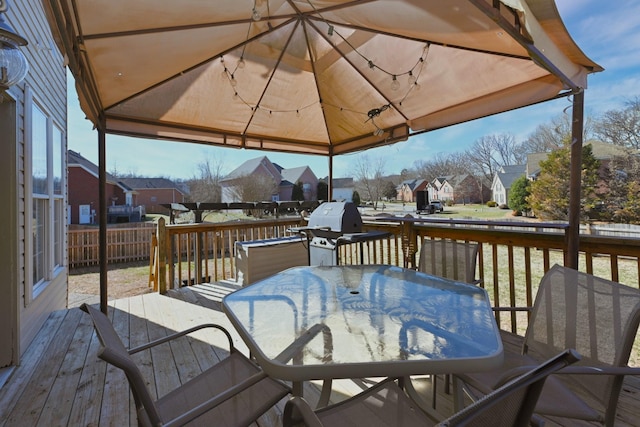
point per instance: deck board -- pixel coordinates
(61, 381)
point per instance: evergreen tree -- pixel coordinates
(323, 191)
(520, 190)
(549, 198)
(297, 193)
(356, 198)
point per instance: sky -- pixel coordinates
(608, 32)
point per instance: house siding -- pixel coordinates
(153, 198)
(46, 81)
(84, 189)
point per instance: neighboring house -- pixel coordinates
(602, 151)
(261, 169)
(342, 189)
(152, 193)
(33, 137)
(460, 189)
(406, 191)
(441, 189)
(502, 181)
(302, 174)
(83, 190)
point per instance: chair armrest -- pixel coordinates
(570, 370)
(297, 409)
(599, 370)
(181, 333)
(295, 347)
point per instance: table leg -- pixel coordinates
(458, 394)
(415, 396)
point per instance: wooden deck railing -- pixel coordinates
(513, 256)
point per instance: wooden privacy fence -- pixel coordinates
(124, 244)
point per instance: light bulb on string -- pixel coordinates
(412, 78)
(241, 63)
(395, 84)
(235, 96)
(234, 82)
(256, 15)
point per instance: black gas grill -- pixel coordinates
(331, 225)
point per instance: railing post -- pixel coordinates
(199, 257)
(162, 256)
(409, 244)
(575, 182)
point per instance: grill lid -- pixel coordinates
(341, 217)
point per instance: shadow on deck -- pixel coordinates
(62, 382)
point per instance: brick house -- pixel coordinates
(261, 168)
(458, 189)
(83, 190)
(153, 192)
(406, 191)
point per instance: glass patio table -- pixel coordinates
(329, 322)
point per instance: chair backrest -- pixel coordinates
(513, 403)
(449, 258)
(597, 317)
(114, 352)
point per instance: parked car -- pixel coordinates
(437, 205)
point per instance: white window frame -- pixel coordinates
(53, 232)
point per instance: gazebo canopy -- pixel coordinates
(321, 77)
(306, 76)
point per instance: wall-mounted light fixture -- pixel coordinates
(13, 63)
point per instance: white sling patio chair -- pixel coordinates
(597, 317)
(234, 392)
(385, 404)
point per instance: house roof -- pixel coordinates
(149, 183)
(412, 184)
(454, 180)
(510, 173)
(250, 166)
(601, 151)
(75, 159)
(294, 174)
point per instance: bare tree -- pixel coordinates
(551, 136)
(205, 185)
(488, 153)
(621, 127)
(440, 165)
(253, 188)
(370, 176)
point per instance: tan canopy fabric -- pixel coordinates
(321, 77)
(309, 76)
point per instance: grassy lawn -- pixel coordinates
(471, 211)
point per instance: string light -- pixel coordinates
(395, 84)
(412, 74)
(412, 78)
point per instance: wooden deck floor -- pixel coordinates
(62, 382)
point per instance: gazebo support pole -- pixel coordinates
(330, 179)
(102, 206)
(575, 183)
